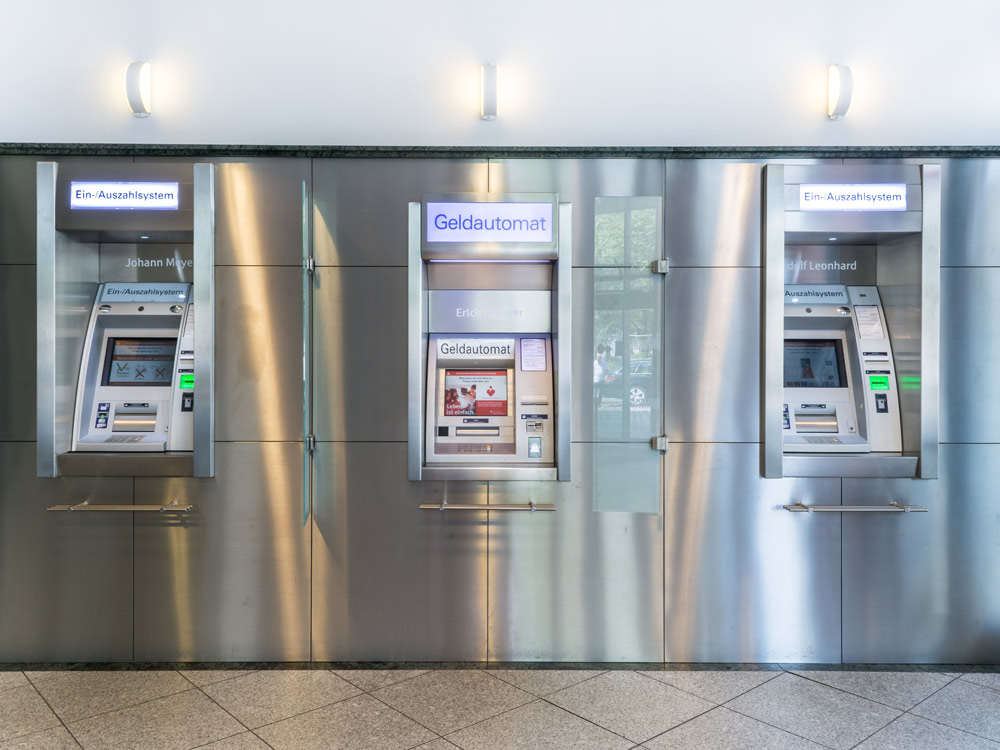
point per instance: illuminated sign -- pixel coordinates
(852, 197)
(489, 222)
(815, 294)
(878, 382)
(148, 196)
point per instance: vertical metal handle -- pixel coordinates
(308, 440)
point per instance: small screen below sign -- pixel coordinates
(814, 363)
(137, 362)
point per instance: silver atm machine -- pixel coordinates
(840, 392)
(850, 336)
(136, 385)
(489, 330)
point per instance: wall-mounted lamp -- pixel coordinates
(840, 90)
(489, 92)
(137, 88)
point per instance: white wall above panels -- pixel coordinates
(573, 72)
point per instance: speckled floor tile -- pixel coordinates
(817, 712)
(910, 732)
(965, 705)
(902, 690)
(359, 723)
(537, 725)
(271, 695)
(438, 744)
(630, 704)
(717, 686)
(244, 741)
(202, 677)
(722, 728)
(22, 711)
(452, 699)
(542, 682)
(185, 720)
(80, 695)
(986, 679)
(11, 680)
(51, 739)
(373, 679)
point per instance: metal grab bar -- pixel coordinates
(445, 505)
(892, 507)
(171, 507)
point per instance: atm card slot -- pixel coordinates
(477, 431)
(816, 423)
(134, 422)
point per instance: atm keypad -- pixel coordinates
(475, 448)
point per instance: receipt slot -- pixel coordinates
(850, 335)
(125, 369)
(136, 386)
(489, 325)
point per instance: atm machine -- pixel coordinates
(490, 336)
(850, 327)
(136, 384)
(840, 392)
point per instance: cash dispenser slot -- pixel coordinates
(816, 420)
(134, 421)
(476, 431)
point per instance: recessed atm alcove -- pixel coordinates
(489, 338)
(125, 373)
(850, 330)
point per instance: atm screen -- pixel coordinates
(135, 361)
(478, 393)
(814, 363)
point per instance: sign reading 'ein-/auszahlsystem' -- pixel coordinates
(489, 222)
(146, 196)
(852, 197)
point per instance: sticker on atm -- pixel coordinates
(480, 393)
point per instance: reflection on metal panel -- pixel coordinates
(66, 588)
(746, 580)
(712, 352)
(576, 585)
(259, 211)
(970, 355)
(634, 188)
(361, 204)
(391, 581)
(922, 587)
(17, 353)
(970, 223)
(228, 581)
(259, 319)
(359, 375)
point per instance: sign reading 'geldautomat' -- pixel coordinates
(489, 222)
(156, 196)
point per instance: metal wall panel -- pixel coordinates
(712, 355)
(17, 353)
(17, 209)
(392, 582)
(584, 183)
(578, 584)
(360, 214)
(259, 211)
(745, 580)
(970, 223)
(259, 355)
(229, 580)
(712, 212)
(922, 587)
(970, 355)
(65, 578)
(359, 354)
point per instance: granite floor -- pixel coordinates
(479, 709)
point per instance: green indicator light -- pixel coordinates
(187, 382)
(879, 382)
